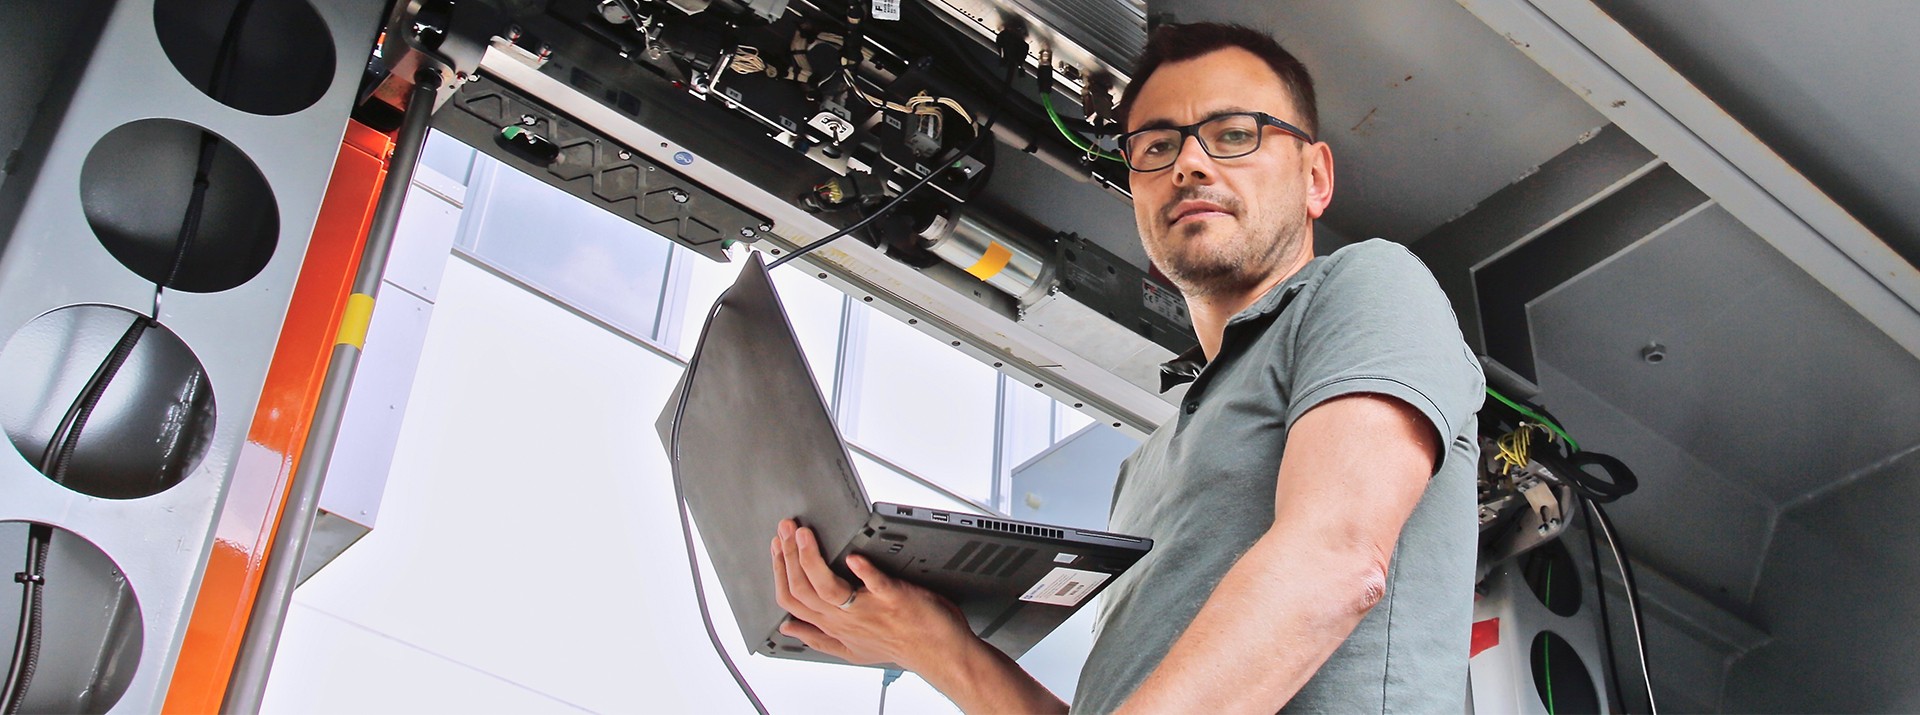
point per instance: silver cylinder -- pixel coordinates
(992, 254)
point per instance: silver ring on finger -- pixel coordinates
(844, 605)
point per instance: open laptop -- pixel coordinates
(757, 445)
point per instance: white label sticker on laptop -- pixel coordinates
(1065, 558)
(1065, 587)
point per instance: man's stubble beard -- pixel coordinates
(1238, 263)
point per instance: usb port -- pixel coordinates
(939, 516)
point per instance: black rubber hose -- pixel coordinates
(1633, 597)
(1600, 598)
(26, 648)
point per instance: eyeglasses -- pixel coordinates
(1222, 137)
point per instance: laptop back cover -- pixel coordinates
(757, 445)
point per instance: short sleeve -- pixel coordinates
(1379, 323)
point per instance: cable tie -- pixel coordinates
(24, 577)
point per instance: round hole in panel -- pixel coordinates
(179, 205)
(89, 631)
(1561, 678)
(258, 56)
(105, 402)
(1550, 573)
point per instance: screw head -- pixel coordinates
(679, 197)
(624, 154)
(1654, 353)
(529, 120)
(765, 228)
(746, 233)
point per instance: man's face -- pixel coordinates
(1225, 225)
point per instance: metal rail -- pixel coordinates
(281, 573)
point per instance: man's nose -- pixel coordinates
(1192, 165)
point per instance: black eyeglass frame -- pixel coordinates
(1193, 130)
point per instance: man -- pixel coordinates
(1312, 501)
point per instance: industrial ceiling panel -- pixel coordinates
(1705, 530)
(1828, 86)
(1768, 376)
(1428, 110)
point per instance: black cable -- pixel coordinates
(680, 507)
(984, 134)
(54, 462)
(1633, 598)
(58, 455)
(1600, 593)
(26, 644)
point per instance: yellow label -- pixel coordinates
(992, 263)
(353, 322)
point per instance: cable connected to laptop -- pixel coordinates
(680, 508)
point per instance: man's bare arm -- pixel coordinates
(1354, 469)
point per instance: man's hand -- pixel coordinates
(890, 620)
(886, 620)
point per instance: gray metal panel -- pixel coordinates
(422, 243)
(1768, 375)
(52, 259)
(1427, 109)
(332, 534)
(1505, 285)
(1707, 530)
(1573, 181)
(90, 627)
(1816, 81)
(370, 427)
(1838, 595)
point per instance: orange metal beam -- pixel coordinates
(264, 469)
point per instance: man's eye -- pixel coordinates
(1157, 147)
(1236, 136)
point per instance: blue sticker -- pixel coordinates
(683, 158)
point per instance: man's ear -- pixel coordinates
(1319, 159)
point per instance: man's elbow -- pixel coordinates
(1366, 586)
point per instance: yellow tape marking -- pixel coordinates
(353, 322)
(992, 263)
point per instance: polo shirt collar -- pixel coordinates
(1186, 367)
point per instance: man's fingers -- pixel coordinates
(870, 575)
(814, 638)
(792, 579)
(831, 589)
(781, 594)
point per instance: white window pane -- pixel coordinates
(1029, 424)
(813, 307)
(1068, 422)
(922, 405)
(448, 156)
(884, 484)
(705, 279)
(578, 252)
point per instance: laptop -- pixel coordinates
(758, 444)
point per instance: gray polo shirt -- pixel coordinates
(1367, 319)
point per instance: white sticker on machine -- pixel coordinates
(1065, 586)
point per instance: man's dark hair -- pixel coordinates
(1174, 43)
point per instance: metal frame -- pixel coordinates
(53, 260)
(862, 271)
(1630, 85)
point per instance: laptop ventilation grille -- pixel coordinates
(979, 557)
(1022, 529)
